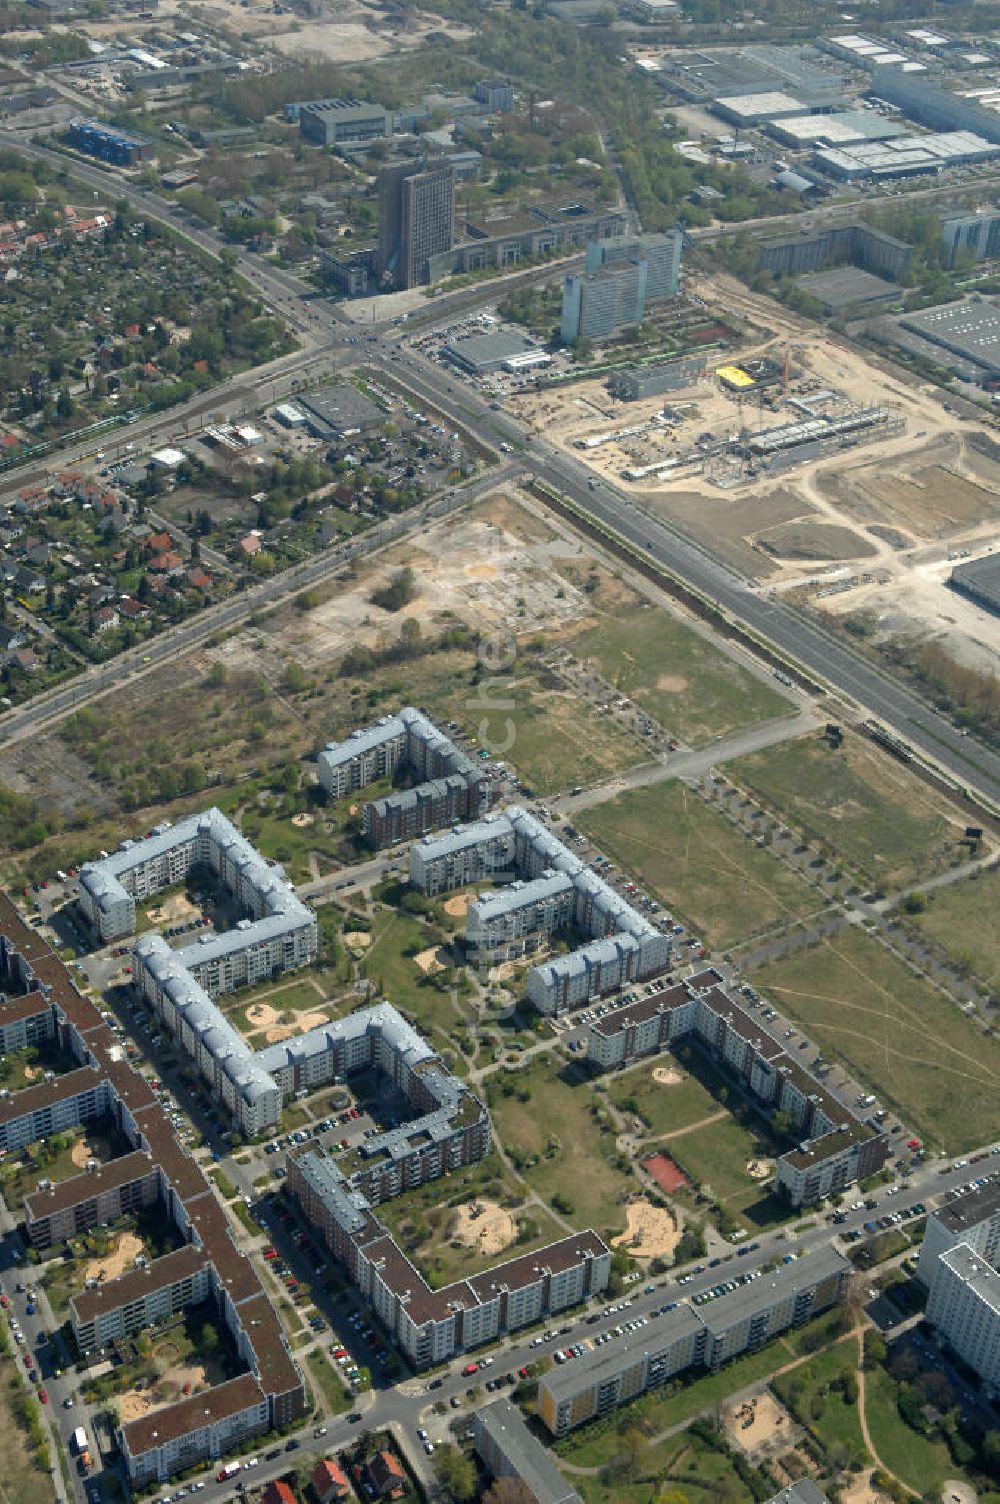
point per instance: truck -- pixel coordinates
(80, 1442)
(228, 1471)
(85, 1460)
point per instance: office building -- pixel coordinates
(834, 1148)
(335, 122)
(507, 1449)
(450, 786)
(270, 1395)
(621, 275)
(552, 888)
(540, 230)
(122, 148)
(974, 236)
(416, 219)
(496, 97)
(964, 1306)
(860, 245)
(707, 1336)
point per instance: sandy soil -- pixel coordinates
(432, 960)
(174, 909)
(261, 1014)
(457, 906)
(672, 684)
(32, 1072)
(954, 1491)
(116, 1262)
(302, 822)
(665, 1075)
(357, 939)
(651, 1232)
(303, 1023)
(858, 1490)
(769, 1421)
(483, 1225)
(760, 1169)
(166, 1390)
(91, 1146)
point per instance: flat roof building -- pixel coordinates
(968, 328)
(979, 580)
(331, 122)
(340, 411)
(964, 1305)
(508, 1449)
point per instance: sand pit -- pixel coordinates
(261, 1015)
(303, 1023)
(650, 1233)
(758, 1423)
(181, 1379)
(483, 1225)
(32, 1072)
(954, 1491)
(116, 1262)
(302, 822)
(133, 1404)
(664, 1075)
(458, 905)
(672, 684)
(760, 1169)
(358, 940)
(434, 959)
(92, 1147)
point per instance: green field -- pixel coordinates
(664, 1108)
(962, 919)
(724, 886)
(679, 677)
(864, 807)
(834, 1422)
(717, 1155)
(916, 1050)
(919, 1461)
(703, 1474)
(26, 1450)
(549, 1128)
(389, 961)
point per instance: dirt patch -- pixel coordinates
(665, 1075)
(175, 909)
(816, 540)
(760, 1169)
(483, 1225)
(651, 1232)
(432, 960)
(134, 1403)
(357, 940)
(122, 1257)
(91, 1146)
(672, 684)
(32, 1072)
(458, 905)
(303, 821)
(177, 1381)
(303, 1023)
(480, 571)
(858, 1490)
(261, 1015)
(758, 1422)
(954, 1491)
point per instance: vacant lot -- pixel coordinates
(25, 1479)
(871, 811)
(962, 918)
(916, 1050)
(692, 688)
(558, 1136)
(697, 864)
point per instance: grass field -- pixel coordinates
(396, 938)
(834, 1422)
(685, 682)
(962, 919)
(724, 886)
(716, 1155)
(704, 1476)
(665, 1108)
(918, 1052)
(871, 811)
(920, 1462)
(549, 1128)
(25, 1480)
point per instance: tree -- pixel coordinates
(208, 1338)
(634, 1455)
(64, 405)
(508, 1491)
(456, 1472)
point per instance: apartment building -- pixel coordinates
(508, 1450)
(208, 1424)
(103, 1193)
(432, 1325)
(554, 888)
(621, 275)
(52, 1106)
(972, 1219)
(691, 1337)
(25, 1020)
(514, 920)
(272, 1394)
(835, 1149)
(449, 785)
(964, 1306)
(143, 1297)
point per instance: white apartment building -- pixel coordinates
(471, 854)
(964, 1306)
(506, 924)
(972, 1219)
